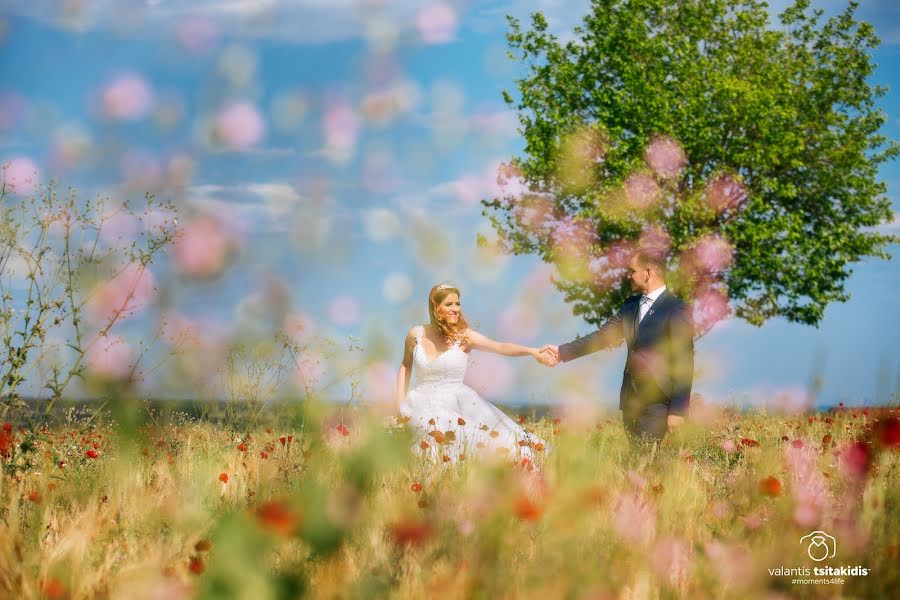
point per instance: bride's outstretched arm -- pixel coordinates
(481, 342)
(405, 371)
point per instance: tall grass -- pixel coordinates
(344, 507)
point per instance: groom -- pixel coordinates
(659, 333)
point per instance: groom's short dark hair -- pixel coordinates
(651, 259)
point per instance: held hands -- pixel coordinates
(548, 355)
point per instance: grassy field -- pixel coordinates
(336, 504)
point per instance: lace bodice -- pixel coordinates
(448, 369)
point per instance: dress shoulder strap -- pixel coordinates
(419, 331)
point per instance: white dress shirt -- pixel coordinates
(647, 301)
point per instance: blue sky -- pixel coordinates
(382, 125)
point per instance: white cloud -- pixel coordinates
(304, 21)
(892, 228)
(264, 204)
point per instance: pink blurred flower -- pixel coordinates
(712, 254)
(634, 519)
(637, 480)
(127, 293)
(437, 23)
(656, 240)
(141, 171)
(518, 321)
(490, 375)
(641, 190)
(856, 460)
(733, 564)
(344, 310)
(200, 247)
(12, 107)
(808, 485)
(671, 560)
(127, 98)
(573, 236)
(176, 329)
(20, 176)
(729, 446)
(379, 381)
(298, 326)
(806, 515)
(720, 510)
(534, 212)
(341, 127)
(310, 369)
(109, 357)
(710, 307)
(724, 192)
(240, 126)
(198, 35)
(665, 156)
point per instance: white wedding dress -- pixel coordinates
(452, 421)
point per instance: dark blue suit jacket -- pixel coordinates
(660, 351)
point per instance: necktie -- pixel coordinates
(645, 306)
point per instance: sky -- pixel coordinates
(343, 147)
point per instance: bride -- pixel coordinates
(450, 418)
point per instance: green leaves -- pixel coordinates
(788, 111)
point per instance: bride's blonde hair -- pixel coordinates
(451, 332)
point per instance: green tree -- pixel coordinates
(748, 153)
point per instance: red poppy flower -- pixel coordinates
(410, 532)
(91, 454)
(263, 455)
(34, 496)
(6, 443)
(460, 421)
(431, 421)
(223, 477)
(424, 445)
(826, 439)
(556, 421)
(282, 439)
(445, 458)
(539, 447)
(290, 439)
(196, 565)
(242, 447)
(889, 431)
(7, 427)
(797, 443)
(770, 486)
(203, 545)
(784, 438)
(462, 457)
(343, 429)
(858, 459)
(521, 419)
(527, 510)
(749, 443)
(54, 590)
(494, 433)
(416, 487)
(523, 443)
(277, 516)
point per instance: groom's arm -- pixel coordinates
(610, 334)
(681, 360)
